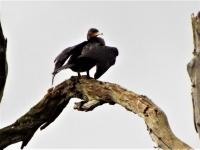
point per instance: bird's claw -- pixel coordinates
(88, 77)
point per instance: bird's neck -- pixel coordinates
(97, 40)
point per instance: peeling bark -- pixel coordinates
(92, 93)
(3, 62)
(193, 69)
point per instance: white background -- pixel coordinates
(155, 44)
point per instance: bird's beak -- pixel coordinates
(98, 33)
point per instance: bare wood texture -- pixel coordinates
(93, 93)
(193, 68)
(3, 62)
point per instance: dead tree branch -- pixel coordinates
(193, 68)
(3, 62)
(93, 93)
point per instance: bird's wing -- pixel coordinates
(101, 68)
(104, 56)
(64, 55)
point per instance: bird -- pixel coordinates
(84, 56)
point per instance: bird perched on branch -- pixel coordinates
(82, 57)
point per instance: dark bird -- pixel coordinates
(82, 57)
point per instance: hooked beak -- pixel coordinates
(97, 34)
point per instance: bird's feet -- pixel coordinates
(88, 75)
(79, 75)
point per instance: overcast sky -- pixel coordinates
(155, 44)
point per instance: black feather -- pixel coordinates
(84, 56)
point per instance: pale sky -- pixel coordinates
(155, 44)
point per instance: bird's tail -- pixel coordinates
(57, 71)
(53, 76)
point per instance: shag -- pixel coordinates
(84, 56)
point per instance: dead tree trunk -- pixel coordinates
(193, 68)
(93, 93)
(3, 62)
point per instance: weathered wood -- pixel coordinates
(3, 62)
(93, 93)
(193, 68)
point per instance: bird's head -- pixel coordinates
(93, 33)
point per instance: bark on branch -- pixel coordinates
(193, 68)
(3, 62)
(93, 93)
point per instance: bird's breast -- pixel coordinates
(89, 47)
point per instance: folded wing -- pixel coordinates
(104, 56)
